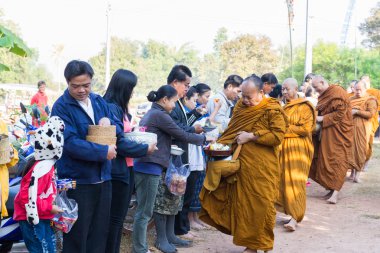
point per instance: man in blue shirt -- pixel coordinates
(86, 162)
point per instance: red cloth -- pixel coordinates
(46, 194)
(41, 100)
(128, 129)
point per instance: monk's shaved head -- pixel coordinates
(291, 82)
(361, 84)
(360, 89)
(289, 89)
(319, 78)
(319, 84)
(251, 90)
(253, 81)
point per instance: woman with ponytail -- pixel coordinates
(150, 171)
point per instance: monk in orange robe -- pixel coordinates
(375, 121)
(244, 206)
(364, 109)
(334, 150)
(296, 154)
(350, 89)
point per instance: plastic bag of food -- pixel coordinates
(64, 221)
(176, 176)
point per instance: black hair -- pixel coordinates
(40, 83)
(164, 91)
(202, 88)
(120, 88)
(28, 166)
(77, 68)
(353, 81)
(276, 92)
(309, 91)
(179, 73)
(269, 78)
(308, 77)
(234, 80)
(256, 80)
(190, 93)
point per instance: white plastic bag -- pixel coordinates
(176, 176)
(64, 221)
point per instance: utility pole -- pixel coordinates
(108, 45)
(308, 44)
(290, 19)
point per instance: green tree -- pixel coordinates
(335, 63)
(248, 54)
(371, 28)
(220, 37)
(151, 61)
(18, 62)
(124, 54)
(209, 69)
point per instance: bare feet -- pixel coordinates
(365, 167)
(187, 236)
(291, 225)
(329, 194)
(204, 225)
(352, 175)
(250, 251)
(196, 226)
(356, 178)
(334, 198)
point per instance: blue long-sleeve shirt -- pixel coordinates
(84, 161)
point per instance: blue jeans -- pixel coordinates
(38, 238)
(146, 190)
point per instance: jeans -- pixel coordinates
(146, 190)
(38, 238)
(89, 233)
(121, 196)
(182, 223)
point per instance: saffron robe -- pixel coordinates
(296, 154)
(244, 206)
(363, 128)
(333, 153)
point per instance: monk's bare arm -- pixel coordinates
(276, 131)
(371, 110)
(335, 117)
(305, 124)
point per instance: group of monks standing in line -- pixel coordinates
(284, 144)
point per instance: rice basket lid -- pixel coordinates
(96, 130)
(103, 140)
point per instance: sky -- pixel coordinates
(80, 25)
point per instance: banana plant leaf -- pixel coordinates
(14, 44)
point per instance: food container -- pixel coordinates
(104, 135)
(217, 149)
(103, 140)
(176, 151)
(141, 137)
(95, 130)
(212, 153)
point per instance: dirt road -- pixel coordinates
(353, 225)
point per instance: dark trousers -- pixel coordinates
(121, 196)
(182, 224)
(89, 233)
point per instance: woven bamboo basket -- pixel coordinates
(104, 140)
(5, 156)
(104, 131)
